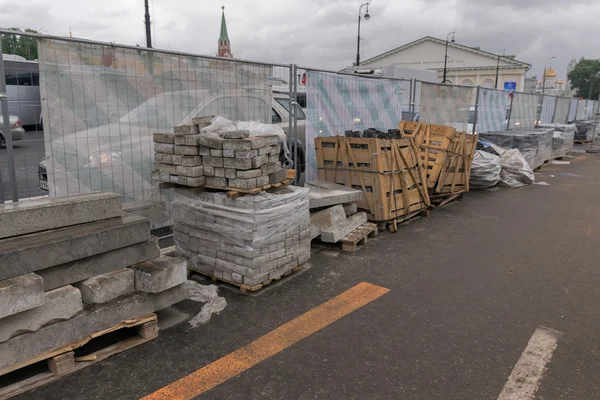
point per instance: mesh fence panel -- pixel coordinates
(492, 109)
(102, 104)
(447, 105)
(572, 109)
(581, 110)
(589, 109)
(524, 110)
(562, 110)
(548, 106)
(336, 103)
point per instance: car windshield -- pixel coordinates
(285, 103)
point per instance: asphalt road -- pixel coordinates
(28, 153)
(469, 285)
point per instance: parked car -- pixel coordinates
(126, 143)
(16, 129)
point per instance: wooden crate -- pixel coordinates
(386, 170)
(446, 153)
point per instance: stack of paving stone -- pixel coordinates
(247, 239)
(64, 275)
(226, 159)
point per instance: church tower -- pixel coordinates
(224, 44)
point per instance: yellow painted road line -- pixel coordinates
(270, 344)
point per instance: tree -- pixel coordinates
(23, 46)
(585, 78)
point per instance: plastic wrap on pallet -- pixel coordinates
(562, 143)
(584, 131)
(535, 145)
(485, 170)
(248, 239)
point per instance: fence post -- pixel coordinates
(410, 103)
(295, 136)
(539, 116)
(576, 110)
(6, 128)
(290, 123)
(476, 115)
(414, 99)
(510, 111)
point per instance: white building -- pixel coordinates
(552, 85)
(466, 65)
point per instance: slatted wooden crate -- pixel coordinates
(386, 170)
(446, 153)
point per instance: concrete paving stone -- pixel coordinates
(168, 168)
(164, 158)
(180, 180)
(250, 173)
(93, 319)
(252, 281)
(195, 182)
(37, 251)
(216, 182)
(334, 233)
(237, 278)
(216, 153)
(274, 158)
(191, 161)
(213, 161)
(186, 150)
(164, 148)
(85, 268)
(275, 150)
(326, 218)
(265, 150)
(271, 140)
(246, 153)
(179, 139)
(230, 173)
(237, 163)
(107, 287)
(227, 276)
(160, 274)
(209, 171)
(20, 293)
(278, 176)
(350, 209)
(193, 172)
(323, 194)
(243, 183)
(202, 122)
(212, 141)
(154, 210)
(270, 168)
(186, 130)
(228, 153)
(176, 158)
(32, 216)
(167, 138)
(190, 140)
(237, 144)
(259, 161)
(59, 304)
(239, 134)
(204, 151)
(262, 180)
(220, 172)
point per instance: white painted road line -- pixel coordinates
(525, 378)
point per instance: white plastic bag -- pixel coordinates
(205, 294)
(516, 171)
(485, 170)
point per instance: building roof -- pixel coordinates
(475, 50)
(224, 36)
(550, 73)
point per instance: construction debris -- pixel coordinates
(324, 194)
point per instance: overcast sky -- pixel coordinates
(322, 33)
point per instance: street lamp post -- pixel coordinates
(544, 86)
(446, 55)
(498, 67)
(361, 15)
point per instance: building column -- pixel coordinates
(477, 79)
(456, 80)
(522, 83)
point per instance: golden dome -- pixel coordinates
(550, 73)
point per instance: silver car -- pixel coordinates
(16, 129)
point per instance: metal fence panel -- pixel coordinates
(102, 104)
(562, 110)
(581, 110)
(589, 109)
(337, 102)
(447, 105)
(492, 110)
(524, 110)
(573, 109)
(548, 106)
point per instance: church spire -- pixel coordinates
(224, 44)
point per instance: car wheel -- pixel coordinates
(2, 142)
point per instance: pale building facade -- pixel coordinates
(466, 65)
(553, 86)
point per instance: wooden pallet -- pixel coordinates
(290, 174)
(359, 236)
(243, 287)
(441, 200)
(63, 361)
(582, 141)
(392, 225)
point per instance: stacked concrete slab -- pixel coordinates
(247, 239)
(69, 268)
(197, 155)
